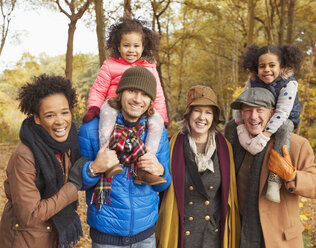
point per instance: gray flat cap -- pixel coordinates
(254, 97)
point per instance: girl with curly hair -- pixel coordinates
(131, 44)
(272, 67)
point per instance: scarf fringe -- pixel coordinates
(69, 237)
(104, 198)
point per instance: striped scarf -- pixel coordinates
(129, 146)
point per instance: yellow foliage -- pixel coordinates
(79, 110)
(303, 199)
(303, 217)
(237, 91)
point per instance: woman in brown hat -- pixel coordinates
(200, 207)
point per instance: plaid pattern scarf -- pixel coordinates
(129, 146)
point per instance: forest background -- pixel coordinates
(201, 43)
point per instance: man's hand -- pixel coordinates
(149, 162)
(105, 159)
(282, 166)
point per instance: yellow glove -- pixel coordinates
(282, 166)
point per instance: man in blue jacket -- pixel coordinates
(122, 213)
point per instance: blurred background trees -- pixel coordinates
(201, 43)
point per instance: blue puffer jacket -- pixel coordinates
(133, 208)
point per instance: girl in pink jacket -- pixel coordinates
(131, 44)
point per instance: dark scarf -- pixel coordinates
(251, 231)
(126, 140)
(49, 175)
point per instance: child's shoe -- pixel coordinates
(144, 177)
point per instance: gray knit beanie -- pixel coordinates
(138, 78)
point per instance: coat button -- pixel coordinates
(48, 228)
(190, 218)
(190, 203)
(207, 217)
(191, 188)
(216, 230)
(207, 203)
(16, 225)
(187, 233)
(211, 187)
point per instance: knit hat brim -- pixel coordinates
(138, 78)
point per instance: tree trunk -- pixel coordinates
(6, 19)
(73, 17)
(290, 20)
(307, 83)
(100, 20)
(269, 26)
(251, 19)
(155, 19)
(168, 96)
(70, 46)
(282, 18)
(127, 8)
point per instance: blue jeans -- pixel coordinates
(147, 243)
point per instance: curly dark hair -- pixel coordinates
(290, 56)
(31, 94)
(127, 25)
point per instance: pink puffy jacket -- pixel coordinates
(105, 85)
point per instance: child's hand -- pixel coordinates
(256, 144)
(91, 113)
(244, 136)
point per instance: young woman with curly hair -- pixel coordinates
(44, 171)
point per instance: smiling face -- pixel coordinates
(134, 104)
(255, 118)
(200, 121)
(55, 116)
(131, 46)
(268, 67)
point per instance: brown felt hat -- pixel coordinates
(138, 78)
(203, 96)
